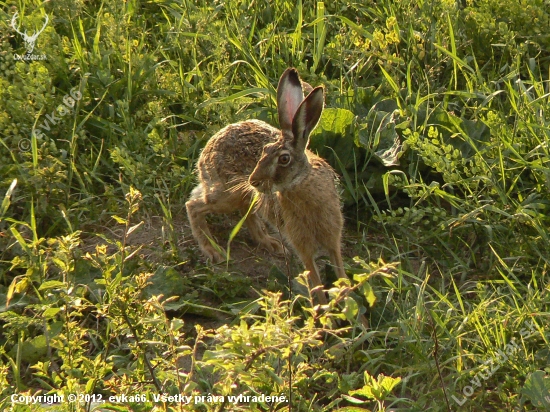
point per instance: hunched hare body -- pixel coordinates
(298, 188)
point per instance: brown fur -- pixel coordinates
(223, 169)
(298, 188)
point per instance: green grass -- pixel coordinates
(436, 120)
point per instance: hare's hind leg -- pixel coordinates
(337, 263)
(306, 253)
(259, 233)
(315, 278)
(197, 209)
(336, 260)
(203, 203)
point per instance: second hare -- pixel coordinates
(298, 188)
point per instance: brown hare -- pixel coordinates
(298, 191)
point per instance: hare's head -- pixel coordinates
(284, 163)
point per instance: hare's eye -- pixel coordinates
(284, 159)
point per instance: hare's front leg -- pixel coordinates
(259, 233)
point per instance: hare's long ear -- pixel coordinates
(289, 97)
(306, 118)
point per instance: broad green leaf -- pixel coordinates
(31, 350)
(537, 389)
(378, 388)
(336, 121)
(333, 138)
(365, 287)
(350, 308)
(51, 312)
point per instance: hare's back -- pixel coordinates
(235, 150)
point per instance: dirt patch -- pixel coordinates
(250, 270)
(154, 235)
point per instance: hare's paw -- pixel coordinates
(212, 254)
(272, 245)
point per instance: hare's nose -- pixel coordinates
(254, 182)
